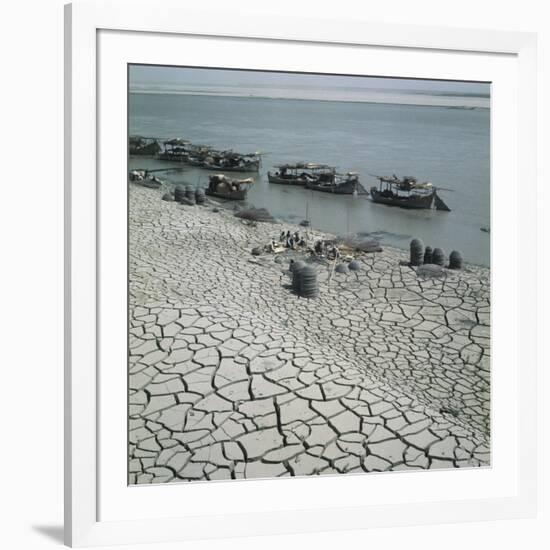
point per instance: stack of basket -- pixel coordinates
(295, 268)
(417, 252)
(179, 193)
(309, 285)
(190, 193)
(438, 257)
(455, 260)
(199, 195)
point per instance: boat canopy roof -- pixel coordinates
(176, 141)
(235, 155)
(304, 166)
(142, 139)
(406, 183)
(223, 177)
(198, 146)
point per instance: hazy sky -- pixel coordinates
(151, 76)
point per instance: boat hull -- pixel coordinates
(255, 167)
(195, 162)
(149, 150)
(239, 195)
(417, 202)
(346, 188)
(272, 178)
(173, 157)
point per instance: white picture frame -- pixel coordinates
(86, 524)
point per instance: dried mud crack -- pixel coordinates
(232, 376)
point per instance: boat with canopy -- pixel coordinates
(300, 173)
(407, 192)
(222, 186)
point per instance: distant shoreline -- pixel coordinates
(353, 101)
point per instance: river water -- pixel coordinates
(447, 146)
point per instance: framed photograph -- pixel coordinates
(300, 289)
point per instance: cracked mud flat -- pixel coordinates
(232, 376)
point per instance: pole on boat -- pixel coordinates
(307, 219)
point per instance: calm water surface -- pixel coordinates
(448, 146)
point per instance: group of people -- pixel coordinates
(291, 240)
(327, 249)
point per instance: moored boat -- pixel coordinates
(300, 173)
(227, 188)
(340, 184)
(143, 146)
(198, 154)
(175, 150)
(407, 192)
(145, 179)
(244, 167)
(230, 161)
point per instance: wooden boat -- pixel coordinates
(204, 156)
(175, 150)
(407, 192)
(251, 166)
(145, 179)
(195, 161)
(230, 161)
(299, 173)
(197, 154)
(143, 146)
(340, 184)
(182, 150)
(226, 188)
(137, 175)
